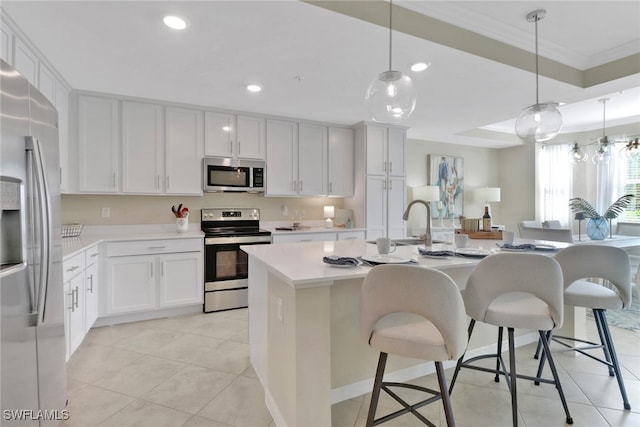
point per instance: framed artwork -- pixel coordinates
(446, 172)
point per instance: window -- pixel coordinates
(554, 183)
(632, 186)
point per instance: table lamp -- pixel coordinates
(329, 212)
(488, 195)
(580, 216)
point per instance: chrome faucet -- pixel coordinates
(427, 235)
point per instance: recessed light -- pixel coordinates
(254, 88)
(174, 22)
(419, 66)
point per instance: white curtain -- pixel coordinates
(554, 183)
(610, 179)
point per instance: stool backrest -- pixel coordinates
(426, 292)
(503, 273)
(597, 261)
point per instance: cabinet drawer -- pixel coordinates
(73, 266)
(350, 235)
(141, 247)
(91, 255)
(304, 237)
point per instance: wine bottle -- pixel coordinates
(486, 219)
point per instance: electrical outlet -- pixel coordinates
(280, 310)
(106, 212)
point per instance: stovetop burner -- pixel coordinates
(219, 222)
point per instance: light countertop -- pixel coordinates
(92, 235)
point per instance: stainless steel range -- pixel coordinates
(226, 266)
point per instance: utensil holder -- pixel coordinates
(182, 225)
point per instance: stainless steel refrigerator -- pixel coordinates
(32, 345)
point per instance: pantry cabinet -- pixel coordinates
(184, 150)
(234, 136)
(379, 197)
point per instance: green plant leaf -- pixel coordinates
(618, 206)
(578, 204)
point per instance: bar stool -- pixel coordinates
(389, 292)
(515, 290)
(599, 262)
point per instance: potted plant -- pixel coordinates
(598, 226)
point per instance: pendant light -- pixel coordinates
(576, 155)
(632, 149)
(601, 156)
(391, 96)
(538, 122)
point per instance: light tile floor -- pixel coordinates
(194, 371)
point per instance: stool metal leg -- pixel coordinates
(375, 394)
(444, 394)
(556, 378)
(461, 359)
(498, 352)
(603, 341)
(614, 358)
(513, 377)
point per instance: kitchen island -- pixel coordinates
(304, 326)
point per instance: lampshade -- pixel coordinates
(488, 194)
(329, 212)
(541, 121)
(391, 96)
(428, 193)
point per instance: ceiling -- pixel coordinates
(316, 59)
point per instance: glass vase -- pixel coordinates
(597, 228)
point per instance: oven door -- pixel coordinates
(226, 272)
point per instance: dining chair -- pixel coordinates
(515, 290)
(540, 233)
(413, 312)
(580, 265)
(552, 224)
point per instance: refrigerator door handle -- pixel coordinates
(41, 188)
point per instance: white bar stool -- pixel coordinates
(515, 290)
(388, 292)
(597, 262)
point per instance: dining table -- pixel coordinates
(304, 317)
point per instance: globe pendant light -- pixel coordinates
(538, 122)
(391, 96)
(602, 154)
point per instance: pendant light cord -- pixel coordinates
(390, 32)
(537, 86)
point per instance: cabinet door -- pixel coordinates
(47, 83)
(142, 148)
(396, 152)
(340, 166)
(282, 158)
(376, 201)
(250, 137)
(184, 151)
(91, 296)
(181, 279)
(62, 105)
(99, 141)
(376, 148)
(219, 134)
(395, 207)
(131, 284)
(312, 160)
(304, 237)
(6, 45)
(75, 312)
(25, 61)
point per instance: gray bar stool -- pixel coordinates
(391, 297)
(599, 262)
(515, 290)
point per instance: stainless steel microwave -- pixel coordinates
(224, 174)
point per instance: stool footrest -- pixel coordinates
(406, 406)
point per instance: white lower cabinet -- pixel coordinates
(323, 236)
(80, 277)
(152, 275)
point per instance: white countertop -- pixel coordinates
(307, 227)
(92, 235)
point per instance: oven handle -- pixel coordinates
(236, 240)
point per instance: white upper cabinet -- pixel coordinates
(25, 61)
(98, 130)
(142, 148)
(62, 105)
(184, 150)
(340, 164)
(312, 160)
(385, 150)
(229, 135)
(47, 83)
(282, 158)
